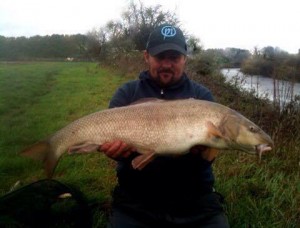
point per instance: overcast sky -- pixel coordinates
(217, 23)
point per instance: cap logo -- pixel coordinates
(168, 31)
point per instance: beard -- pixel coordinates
(165, 77)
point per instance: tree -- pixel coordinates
(134, 28)
(236, 56)
(139, 21)
(94, 43)
(194, 45)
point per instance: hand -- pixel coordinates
(198, 149)
(116, 149)
(207, 153)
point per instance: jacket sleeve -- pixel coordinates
(207, 96)
(202, 93)
(122, 96)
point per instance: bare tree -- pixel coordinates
(135, 26)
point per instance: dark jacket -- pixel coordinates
(167, 183)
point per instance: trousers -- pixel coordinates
(134, 216)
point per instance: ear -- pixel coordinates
(146, 56)
(185, 59)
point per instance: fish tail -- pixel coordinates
(41, 151)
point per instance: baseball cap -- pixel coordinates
(166, 37)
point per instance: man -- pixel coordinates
(170, 191)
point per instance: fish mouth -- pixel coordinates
(258, 149)
(262, 148)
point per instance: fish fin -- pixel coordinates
(210, 153)
(41, 151)
(142, 160)
(83, 148)
(213, 130)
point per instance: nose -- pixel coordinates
(166, 62)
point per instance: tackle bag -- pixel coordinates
(45, 203)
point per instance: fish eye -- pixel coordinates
(253, 129)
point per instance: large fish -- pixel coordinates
(155, 128)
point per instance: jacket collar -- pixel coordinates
(145, 76)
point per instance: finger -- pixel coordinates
(124, 151)
(127, 153)
(210, 154)
(117, 149)
(105, 146)
(198, 149)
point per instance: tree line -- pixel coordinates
(43, 47)
(116, 38)
(273, 62)
(122, 40)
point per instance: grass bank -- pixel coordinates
(36, 99)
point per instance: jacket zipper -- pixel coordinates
(162, 94)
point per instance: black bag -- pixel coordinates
(46, 203)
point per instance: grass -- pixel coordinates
(258, 194)
(38, 98)
(265, 194)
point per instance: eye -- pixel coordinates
(253, 129)
(174, 57)
(170, 56)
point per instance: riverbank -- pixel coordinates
(39, 98)
(274, 64)
(281, 91)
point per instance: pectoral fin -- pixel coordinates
(142, 160)
(213, 131)
(83, 148)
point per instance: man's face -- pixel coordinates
(167, 67)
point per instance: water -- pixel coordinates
(263, 86)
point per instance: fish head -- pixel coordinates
(243, 134)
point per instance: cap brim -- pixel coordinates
(166, 47)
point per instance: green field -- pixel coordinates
(38, 98)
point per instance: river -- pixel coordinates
(263, 86)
